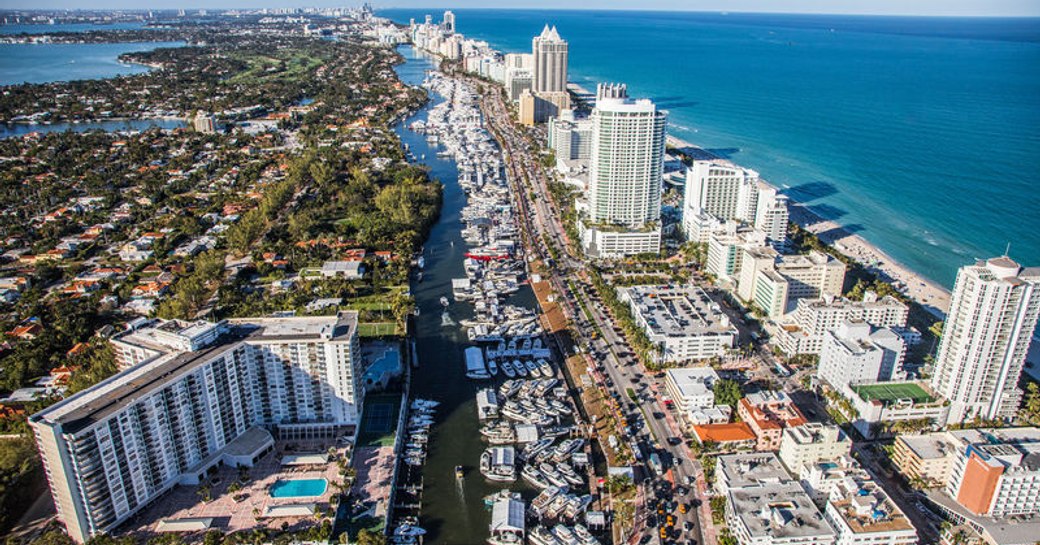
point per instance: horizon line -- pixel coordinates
(520, 8)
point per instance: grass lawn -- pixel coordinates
(890, 393)
(378, 329)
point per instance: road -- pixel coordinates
(610, 353)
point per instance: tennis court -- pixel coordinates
(892, 392)
(378, 419)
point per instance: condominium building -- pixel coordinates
(769, 413)
(518, 80)
(550, 61)
(146, 339)
(725, 191)
(857, 353)
(927, 457)
(570, 138)
(996, 472)
(803, 332)
(805, 445)
(774, 282)
(625, 168)
(682, 322)
(112, 449)
(721, 189)
(725, 250)
(985, 339)
(771, 212)
(448, 22)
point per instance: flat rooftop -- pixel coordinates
(929, 446)
(889, 393)
(111, 395)
(780, 511)
(693, 381)
(679, 311)
(742, 470)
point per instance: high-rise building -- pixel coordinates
(985, 339)
(570, 138)
(448, 23)
(857, 353)
(723, 190)
(625, 169)
(203, 394)
(550, 62)
(518, 80)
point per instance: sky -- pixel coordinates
(1013, 8)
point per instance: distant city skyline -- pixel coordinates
(990, 8)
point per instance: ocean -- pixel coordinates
(920, 134)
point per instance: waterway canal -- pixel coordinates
(453, 512)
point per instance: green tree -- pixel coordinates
(727, 392)
(370, 537)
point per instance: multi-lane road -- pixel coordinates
(653, 427)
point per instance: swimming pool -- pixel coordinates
(298, 488)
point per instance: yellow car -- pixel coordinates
(682, 508)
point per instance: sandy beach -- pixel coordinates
(932, 296)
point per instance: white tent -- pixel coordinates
(507, 516)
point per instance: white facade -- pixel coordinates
(691, 387)
(855, 353)
(110, 450)
(626, 162)
(803, 331)
(807, 444)
(612, 244)
(995, 471)
(730, 192)
(682, 322)
(550, 62)
(570, 138)
(986, 337)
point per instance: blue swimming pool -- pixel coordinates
(298, 488)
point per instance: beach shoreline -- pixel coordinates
(932, 296)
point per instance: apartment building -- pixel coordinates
(804, 330)
(116, 447)
(857, 353)
(812, 442)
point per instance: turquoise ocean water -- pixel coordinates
(921, 134)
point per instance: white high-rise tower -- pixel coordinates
(985, 339)
(448, 23)
(625, 170)
(550, 62)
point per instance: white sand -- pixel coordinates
(932, 296)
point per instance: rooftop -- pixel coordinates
(678, 311)
(724, 433)
(780, 511)
(751, 468)
(693, 381)
(109, 396)
(890, 393)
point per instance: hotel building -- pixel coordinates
(625, 171)
(682, 322)
(201, 395)
(985, 339)
(805, 445)
(804, 331)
